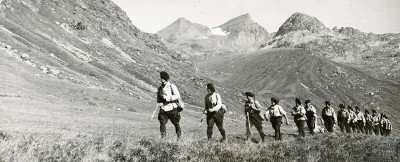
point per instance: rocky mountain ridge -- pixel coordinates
(238, 34)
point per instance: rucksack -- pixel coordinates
(180, 103)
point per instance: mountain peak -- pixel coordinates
(242, 19)
(301, 21)
(182, 20)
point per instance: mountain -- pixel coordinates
(301, 22)
(243, 31)
(183, 29)
(86, 55)
(238, 34)
(346, 45)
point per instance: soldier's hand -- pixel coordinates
(287, 123)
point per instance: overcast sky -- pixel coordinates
(377, 16)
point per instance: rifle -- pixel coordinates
(154, 112)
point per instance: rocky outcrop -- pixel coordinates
(300, 22)
(243, 31)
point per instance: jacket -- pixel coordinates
(299, 113)
(275, 111)
(212, 102)
(168, 95)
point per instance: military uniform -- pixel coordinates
(299, 118)
(253, 110)
(342, 117)
(376, 124)
(167, 97)
(360, 122)
(213, 101)
(311, 114)
(276, 113)
(329, 117)
(368, 124)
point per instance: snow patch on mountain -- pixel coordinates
(218, 31)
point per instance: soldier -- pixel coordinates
(299, 114)
(342, 118)
(311, 114)
(252, 109)
(167, 97)
(368, 120)
(329, 116)
(360, 120)
(214, 111)
(276, 113)
(386, 125)
(376, 122)
(352, 120)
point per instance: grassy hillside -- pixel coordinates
(322, 147)
(291, 73)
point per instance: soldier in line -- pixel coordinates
(252, 109)
(360, 121)
(329, 116)
(376, 122)
(276, 113)
(352, 119)
(167, 97)
(368, 123)
(342, 117)
(311, 114)
(299, 114)
(214, 111)
(386, 125)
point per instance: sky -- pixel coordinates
(377, 16)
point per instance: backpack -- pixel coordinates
(180, 103)
(223, 108)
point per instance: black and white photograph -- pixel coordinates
(199, 80)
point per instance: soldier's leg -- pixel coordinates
(219, 121)
(278, 128)
(210, 125)
(175, 117)
(260, 130)
(163, 119)
(301, 128)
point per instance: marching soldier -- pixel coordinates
(252, 110)
(360, 121)
(276, 113)
(329, 116)
(369, 123)
(342, 118)
(376, 122)
(167, 97)
(213, 109)
(299, 114)
(311, 114)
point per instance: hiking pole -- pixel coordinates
(202, 118)
(154, 112)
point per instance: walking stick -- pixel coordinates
(202, 118)
(154, 112)
(248, 121)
